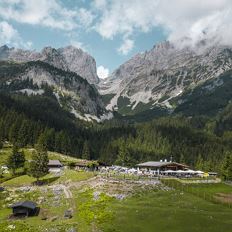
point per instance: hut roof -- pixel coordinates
(54, 163)
(159, 164)
(25, 204)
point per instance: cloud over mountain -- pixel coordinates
(194, 20)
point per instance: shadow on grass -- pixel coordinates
(46, 181)
(5, 178)
(19, 216)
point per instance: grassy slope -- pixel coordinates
(166, 211)
(5, 152)
(169, 212)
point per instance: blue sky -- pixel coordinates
(102, 49)
(112, 31)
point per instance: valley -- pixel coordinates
(70, 143)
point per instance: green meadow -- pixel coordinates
(172, 207)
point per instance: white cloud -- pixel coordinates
(197, 20)
(102, 72)
(194, 19)
(10, 36)
(124, 17)
(126, 46)
(7, 32)
(85, 17)
(40, 12)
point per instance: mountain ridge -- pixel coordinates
(68, 58)
(72, 92)
(156, 76)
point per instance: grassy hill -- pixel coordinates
(103, 204)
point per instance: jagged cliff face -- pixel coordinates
(68, 58)
(163, 77)
(163, 73)
(72, 92)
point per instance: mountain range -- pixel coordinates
(68, 72)
(68, 58)
(167, 79)
(163, 76)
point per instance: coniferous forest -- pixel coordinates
(202, 142)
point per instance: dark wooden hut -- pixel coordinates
(25, 208)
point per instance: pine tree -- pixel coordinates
(65, 143)
(182, 159)
(124, 157)
(227, 167)
(199, 163)
(23, 134)
(13, 133)
(16, 159)
(39, 163)
(86, 151)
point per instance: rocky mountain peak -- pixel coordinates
(80, 62)
(165, 45)
(69, 58)
(156, 76)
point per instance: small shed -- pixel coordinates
(24, 208)
(54, 165)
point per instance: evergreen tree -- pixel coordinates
(13, 133)
(199, 163)
(182, 159)
(124, 158)
(39, 163)
(23, 134)
(227, 167)
(86, 151)
(65, 143)
(42, 141)
(16, 159)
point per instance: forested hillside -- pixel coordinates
(72, 92)
(197, 141)
(26, 119)
(189, 140)
(198, 132)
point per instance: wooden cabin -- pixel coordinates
(54, 165)
(25, 208)
(162, 166)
